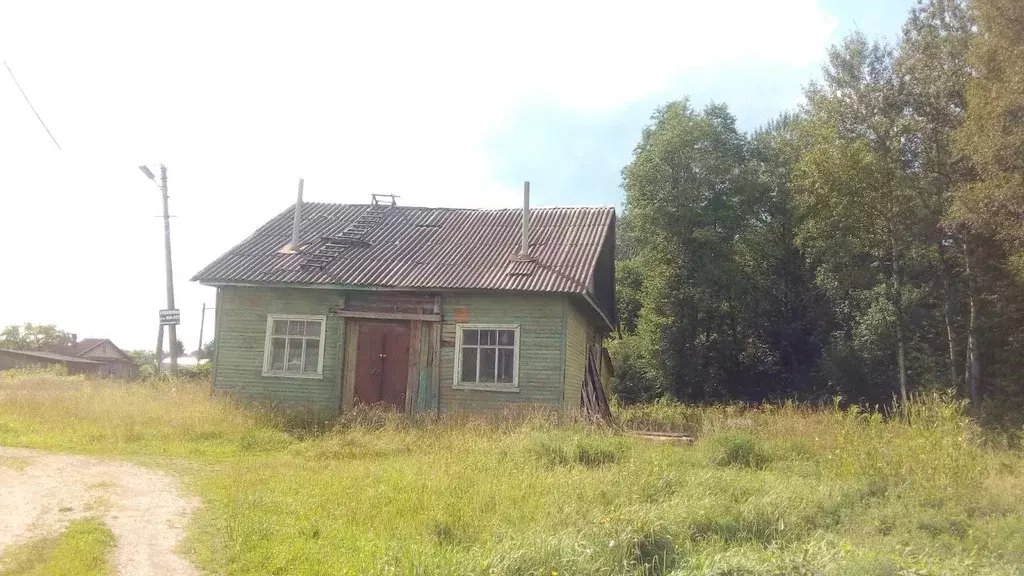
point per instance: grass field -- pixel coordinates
(83, 549)
(781, 490)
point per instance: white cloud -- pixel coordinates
(240, 99)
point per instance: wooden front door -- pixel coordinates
(382, 363)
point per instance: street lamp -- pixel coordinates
(171, 327)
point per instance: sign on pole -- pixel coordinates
(170, 317)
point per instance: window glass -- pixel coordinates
(469, 364)
(294, 346)
(277, 354)
(294, 355)
(312, 355)
(506, 363)
(487, 356)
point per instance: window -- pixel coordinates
(294, 346)
(486, 357)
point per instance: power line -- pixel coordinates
(9, 71)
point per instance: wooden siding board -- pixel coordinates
(241, 334)
(541, 348)
(413, 374)
(426, 392)
(348, 381)
(575, 356)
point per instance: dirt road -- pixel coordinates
(40, 493)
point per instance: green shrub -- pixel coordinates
(739, 449)
(587, 451)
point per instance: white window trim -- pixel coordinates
(491, 387)
(267, 341)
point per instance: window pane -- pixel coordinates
(468, 364)
(507, 337)
(312, 329)
(487, 358)
(506, 364)
(470, 336)
(312, 355)
(488, 337)
(277, 353)
(294, 355)
(295, 327)
(280, 327)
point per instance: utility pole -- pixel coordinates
(159, 348)
(202, 322)
(172, 330)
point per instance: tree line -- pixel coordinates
(868, 244)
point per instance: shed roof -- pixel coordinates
(430, 249)
(84, 345)
(49, 356)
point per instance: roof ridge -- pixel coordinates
(514, 208)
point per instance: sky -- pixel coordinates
(444, 103)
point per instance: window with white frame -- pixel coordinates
(487, 357)
(294, 346)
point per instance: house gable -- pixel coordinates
(105, 349)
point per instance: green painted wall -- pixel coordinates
(576, 338)
(541, 351)
(552, 352)
(241, 333)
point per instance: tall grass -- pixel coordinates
(773, 490)
(83, 549)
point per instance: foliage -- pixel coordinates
(83, 549)
(864, 246)
(35, 337)
(143, 358)
(775, 490)
(208, 350)
(179, 350)
(993, 133)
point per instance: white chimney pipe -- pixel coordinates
(297, 222)
(525, 250)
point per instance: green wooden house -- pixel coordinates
(423, 309)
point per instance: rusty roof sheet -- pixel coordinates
(427, 248)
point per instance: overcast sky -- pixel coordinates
(443, 103)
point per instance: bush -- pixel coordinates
(587, 451)
(739, 449)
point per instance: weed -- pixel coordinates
(764, 491)
(739, 449)
(83, 549)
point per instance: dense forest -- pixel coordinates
(867, 245)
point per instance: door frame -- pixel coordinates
(350, 353)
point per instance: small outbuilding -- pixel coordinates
(420, 309)
(30, 358)
(115, 363)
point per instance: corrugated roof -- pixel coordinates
(49, 356)
(78, 348)
(84, 345)
(427, 249)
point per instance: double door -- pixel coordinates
(382, 363)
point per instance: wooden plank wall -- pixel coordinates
(576, 339)
(552, 352)
(241, 334)
(541, 354)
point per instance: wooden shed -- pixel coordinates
(421, 309)
(29, 358)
